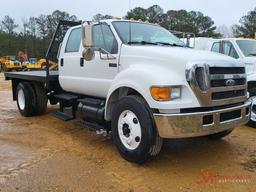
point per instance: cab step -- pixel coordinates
(66, 100)
(91, 125)
(66, 97)
(63, 116)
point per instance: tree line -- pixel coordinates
(36, 32)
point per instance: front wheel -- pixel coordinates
(134, 131)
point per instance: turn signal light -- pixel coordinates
(161, 93)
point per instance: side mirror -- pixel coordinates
(87, 34)
(87, 41)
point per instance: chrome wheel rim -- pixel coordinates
(21, 99)
(129, 130)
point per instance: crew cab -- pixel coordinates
(140, 83)
(241, 49)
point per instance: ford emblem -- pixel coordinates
(230, 82)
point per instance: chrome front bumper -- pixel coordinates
(185, 125)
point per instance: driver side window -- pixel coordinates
(104, 38)
(228, 49)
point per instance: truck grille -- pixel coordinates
(227, 70)
(215, 86)
(227, 94)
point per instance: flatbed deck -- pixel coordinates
(33, 75)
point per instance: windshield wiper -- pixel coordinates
(141, 43)
(170, 44)
(252, 54)
(156, 43)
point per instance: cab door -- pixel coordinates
(99, 73)
(93, 77)
(69, 60)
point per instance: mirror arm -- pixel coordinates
(109, 55)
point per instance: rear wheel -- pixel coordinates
(41, 99)
(25, 96)
(134, 131)
(220, 135)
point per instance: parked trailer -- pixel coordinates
(138, 82)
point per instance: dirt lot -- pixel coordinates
(47, 154)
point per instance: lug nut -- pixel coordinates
(137, 139)
(135, 121)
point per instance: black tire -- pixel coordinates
(29, 99)
(150, 143)
(220, 135)
(41, 99)
(252, 122)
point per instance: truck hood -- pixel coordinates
(172, 56)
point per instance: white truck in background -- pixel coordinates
(140, 83)
(241, 49)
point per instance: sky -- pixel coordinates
(223, 12)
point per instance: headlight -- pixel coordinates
(165, 93)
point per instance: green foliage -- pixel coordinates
(180, 20)
(37, 31)
(100, 17)
(8, 25)
(153, 14)
(247, 25)
(11, 44)
(35, 37)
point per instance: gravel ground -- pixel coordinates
(47, 154)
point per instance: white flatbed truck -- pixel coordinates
(140, 83)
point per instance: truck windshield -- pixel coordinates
(248, 47)
(144, 33)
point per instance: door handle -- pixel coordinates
(112, 65)
(61, 62)
(81, 62)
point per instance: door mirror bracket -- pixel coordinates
(105, 55)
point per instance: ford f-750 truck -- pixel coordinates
(140, 83)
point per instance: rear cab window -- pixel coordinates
(74, 41)
(216, 47)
